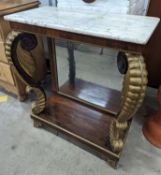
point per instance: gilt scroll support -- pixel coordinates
(27, 42)
(133, 93)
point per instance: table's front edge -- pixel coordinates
(58, 34)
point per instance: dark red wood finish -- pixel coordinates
(81, 122)
(52, 55)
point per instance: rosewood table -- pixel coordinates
(103, 128)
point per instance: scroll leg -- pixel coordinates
(38, 106)
(134, 87)
(28, 42)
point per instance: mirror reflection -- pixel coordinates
(89, 73)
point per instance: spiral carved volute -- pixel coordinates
(134, 87)
(28, 42)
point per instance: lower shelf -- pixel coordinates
(81, 122)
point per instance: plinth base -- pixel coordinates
(80, 122)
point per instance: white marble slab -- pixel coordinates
(129, 28)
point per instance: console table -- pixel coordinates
(103, 127)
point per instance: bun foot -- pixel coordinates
(113, 163)
(37, 124)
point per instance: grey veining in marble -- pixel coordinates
(128, 28)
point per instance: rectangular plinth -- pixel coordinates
(80, 122)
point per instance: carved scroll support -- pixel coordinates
(27, 42)
(39, 105)
(134, 87)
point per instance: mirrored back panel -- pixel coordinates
(89, 74)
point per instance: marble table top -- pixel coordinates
(128, 28)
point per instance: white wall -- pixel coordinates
(112, 6)
(99, 6)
